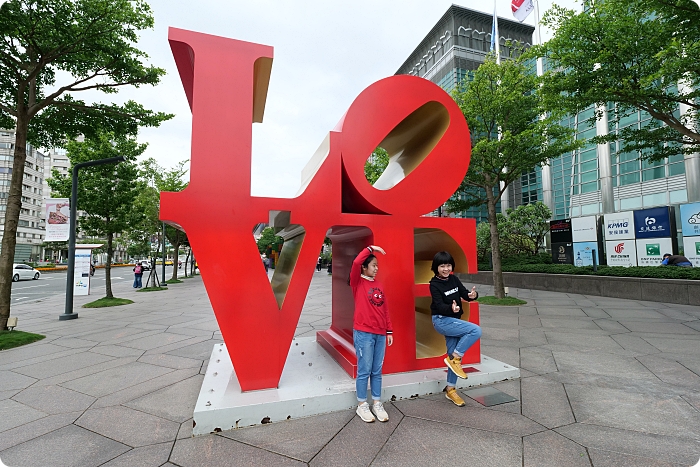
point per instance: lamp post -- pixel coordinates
(70, 279)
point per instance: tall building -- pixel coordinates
(31, 228)
(452, 50)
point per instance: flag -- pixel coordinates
(522, 8)
(495, 42)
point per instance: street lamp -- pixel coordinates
(68, 310)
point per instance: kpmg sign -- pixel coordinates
(619, 226)
(652, 223)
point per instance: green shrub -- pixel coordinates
(663, 272)
(50, 265)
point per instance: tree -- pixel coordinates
(510, 133)
(106, 193)
(375, 165)
(161, 179)
(267, 240)
(50, 50)
(527, 226)
(637, 54)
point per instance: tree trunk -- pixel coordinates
(14, 204)
(176, 247)
(108, 267)
(187, 260)
(498, 290)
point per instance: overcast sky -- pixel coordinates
(325, 54)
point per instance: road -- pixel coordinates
(54, 283)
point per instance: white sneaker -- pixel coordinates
(364, 412)
(379, 411)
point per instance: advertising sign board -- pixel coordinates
(584, 229)
(652, 223)
(560, 231)
(618, 226)
(81, 283)
(650, 251)
(621, 253)
(690, 220)
(57, 219)
(583, 253)
(691, 250)
(562, 253)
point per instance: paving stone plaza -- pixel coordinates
(604, 382)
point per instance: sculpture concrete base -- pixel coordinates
(312, 383)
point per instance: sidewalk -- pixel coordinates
(605, 382)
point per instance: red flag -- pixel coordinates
(522, 9)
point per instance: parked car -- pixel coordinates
(23, 271)
(146, 265)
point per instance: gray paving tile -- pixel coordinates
(154, 341)
(115, 379)
(198, 351)
(185, 429)
(546, 311)
(665, 328)
(550, 449)
(635, 344)
(73, 342)
(13, 414)
(7, 394)
(484, 419)
(655, 413)
(676, 346)
(66, 447)
(536, 360)
(54, 399)
(342, 450)
(299, 439)
(62, 365)
(631, 312)
(10, 380)
(117, 351)
(89, 370)
(615, 459)
(546, 402)
(35, 429)
(134, 428)
(224, 452)
(670, 371)
(171, 361)
(600, 363)
(682, 451)
(175, 402)
(423, 443)
(153, 455)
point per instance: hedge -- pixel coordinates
(658, 272)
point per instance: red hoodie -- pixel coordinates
(371, 310)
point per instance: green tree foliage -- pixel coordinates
(268, 239)
(106, 193)
(51, 50)
(160, 179)
(375, 165)
(637, 54)
(511, 133)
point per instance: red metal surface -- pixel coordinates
(225, 82)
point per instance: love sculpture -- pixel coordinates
(427, 139)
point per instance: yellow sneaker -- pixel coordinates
(452, 395)
(455, 364)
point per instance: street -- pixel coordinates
(54, 283)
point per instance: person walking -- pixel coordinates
(447, 293)
(138, 275)
(371, 333)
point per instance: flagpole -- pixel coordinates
(497, 40)
(538, 35)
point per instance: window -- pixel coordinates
(630, 203)
(589, 187)
(629, 179)
(589, 209)
(655, 199)
(678, 196)
(676, 169)
(653, 174)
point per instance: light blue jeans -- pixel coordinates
(370, 349)
(459, 336)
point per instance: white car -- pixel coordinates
(22, 271)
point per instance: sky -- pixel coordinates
(325, 54)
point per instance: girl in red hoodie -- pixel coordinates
(372, 332)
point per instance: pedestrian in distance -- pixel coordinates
(319, 264)
(138, 275)
(371, 332)
(676, 260)
(447, 293)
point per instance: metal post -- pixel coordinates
(70, 278)
(162, 282)
(595, 262)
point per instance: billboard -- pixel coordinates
(583, 253)
(584, 229)
(562, 253)
(691, 250)
(619, 226)
(652, 223)
(57, 219)
(560, 231)
(621, 253)
(690, 220)
(81, 282)
(650, 251)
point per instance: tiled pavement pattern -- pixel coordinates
(605, 382)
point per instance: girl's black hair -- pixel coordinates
(365, 263)
(442, 257)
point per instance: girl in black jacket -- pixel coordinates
(447, 294)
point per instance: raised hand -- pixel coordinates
(473, 293)
(455, 307)
(378, 248)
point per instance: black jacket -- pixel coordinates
(444, 292)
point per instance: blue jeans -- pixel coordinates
(137, 280)
(370, 349)
(459, 336)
